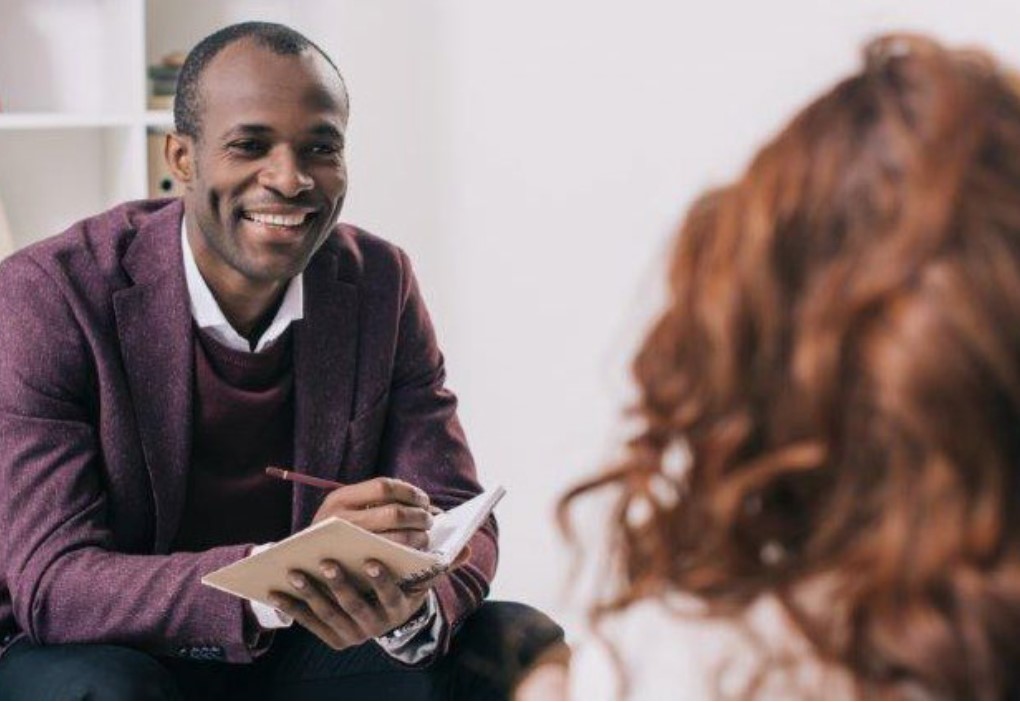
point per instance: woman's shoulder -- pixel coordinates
(670, 647)
(653, 649)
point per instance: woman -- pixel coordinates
(824, 495)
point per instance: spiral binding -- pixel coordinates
(420, 576)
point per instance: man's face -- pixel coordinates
(266, 177)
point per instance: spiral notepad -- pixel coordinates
(257, 575)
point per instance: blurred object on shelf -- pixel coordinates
(6, 235)
(161, 182)
(163, 81)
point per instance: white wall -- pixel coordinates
(535, 157)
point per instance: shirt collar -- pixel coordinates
(208, 316)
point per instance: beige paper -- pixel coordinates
(256, 576)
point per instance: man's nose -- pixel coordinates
(284, 173)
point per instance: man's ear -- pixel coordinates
(179, 152)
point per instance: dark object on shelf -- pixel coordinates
(163, 81)
(161, 183)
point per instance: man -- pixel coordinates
(156, 358)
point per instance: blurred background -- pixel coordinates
(534, 157)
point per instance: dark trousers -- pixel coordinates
(488, 654)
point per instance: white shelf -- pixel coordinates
(56, 120)
(75, 120)
(158, 118)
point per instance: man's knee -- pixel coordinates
(509, 629)
(83, 672)
(496, 646)
(124, 674)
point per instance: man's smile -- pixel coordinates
(279, 219)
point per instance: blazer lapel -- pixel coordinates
(156, 335)
(325, 361)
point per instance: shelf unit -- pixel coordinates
(74, 122)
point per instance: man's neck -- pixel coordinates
(249, 306)
(249, 309)
(261, 324)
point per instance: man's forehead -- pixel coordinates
(246, 72)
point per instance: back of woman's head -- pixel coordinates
(833, 393)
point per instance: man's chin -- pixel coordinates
(266, 262)
(277, 275)
(274, 271)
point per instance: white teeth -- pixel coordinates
(276, 220)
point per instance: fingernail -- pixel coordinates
(373, 570)
(330, 572)
(276, 602)
(297, 581)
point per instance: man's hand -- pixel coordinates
(391, 508)
(334, 608)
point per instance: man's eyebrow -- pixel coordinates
(247, 129)
(327, 130)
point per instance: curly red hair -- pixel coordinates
(838, 369)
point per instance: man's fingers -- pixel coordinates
(367, 615)
(387, 591)
(397, 604)
(380, 504)
(324, 607)
(391, 517)
(303, 615)
(378, 491)
(408, 537)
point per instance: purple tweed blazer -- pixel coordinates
(96, 392)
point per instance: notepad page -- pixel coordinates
(256, 576)
(452, 530)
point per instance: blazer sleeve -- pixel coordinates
(67, 581)
(423, 443)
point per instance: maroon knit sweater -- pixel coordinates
(244, 421)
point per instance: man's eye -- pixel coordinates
(326, 149)
(248, 147)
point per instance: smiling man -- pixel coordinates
(154, 359)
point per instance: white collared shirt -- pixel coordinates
(406, 646)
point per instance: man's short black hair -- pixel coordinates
(278, 38)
